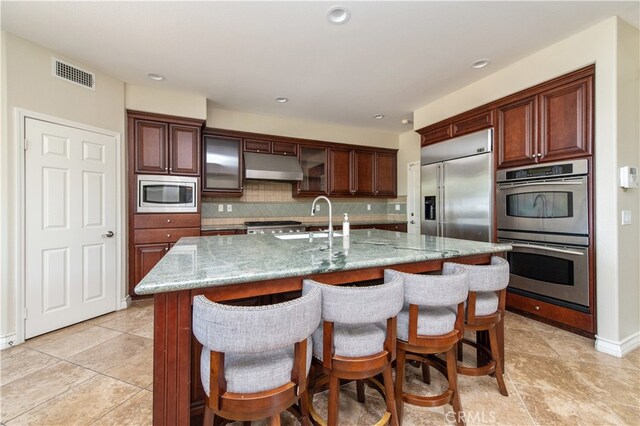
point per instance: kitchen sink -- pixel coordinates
(303, 235)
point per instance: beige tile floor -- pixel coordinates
(100, 372)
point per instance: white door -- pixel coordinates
(413, 198)
(70, 198)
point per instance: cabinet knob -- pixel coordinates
(539, 155)
(168, 220)
(168, 235)
(170, 168)
(166, 249)
(537, 308)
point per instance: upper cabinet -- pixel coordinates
(386, 176)
(553, 124)
(549, 122)
(365, 173)
(313, 160)
(270, 147)
(222, 165)
(340, 171)
(164, 144)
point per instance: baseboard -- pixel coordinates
(618, 349)
(124, 303)
(8, 341)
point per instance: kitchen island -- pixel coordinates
(244, 266)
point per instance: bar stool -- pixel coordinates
(255, 360)
(485, 312)
(356, 340)
(430, 323)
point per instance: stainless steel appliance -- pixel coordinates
(167, 194)
(274, 227)
(272, 167)
(457, 187)
(543, 212)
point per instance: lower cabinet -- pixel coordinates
(152, 236)
(221, 232)
(398, 227)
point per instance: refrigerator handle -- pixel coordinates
(441, 201)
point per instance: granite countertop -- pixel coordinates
(356, 222)
(200, 262)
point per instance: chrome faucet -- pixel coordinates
(313, 213)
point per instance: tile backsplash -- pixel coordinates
(264, 200)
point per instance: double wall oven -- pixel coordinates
(543, 212)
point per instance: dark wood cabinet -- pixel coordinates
(565, 120)
(515, 134)
(152, 235)
(472, 123)
(164, 145)
(386, 175)
(364, 172)
(270, 147)
(222, 165)
(459, 125)
(554, 123)
(222, 232)
(340, 171)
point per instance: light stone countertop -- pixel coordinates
(200, 262)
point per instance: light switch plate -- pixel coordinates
(220, 208)
(626, 217)
(397, 207)
(229, 208)
(368, 206)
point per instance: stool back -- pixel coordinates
(433, 290)
(492, 277)
(255, 329)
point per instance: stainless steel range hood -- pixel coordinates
(271, 167)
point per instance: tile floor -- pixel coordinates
(100, 372)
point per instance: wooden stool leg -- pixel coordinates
(274, 420)
(452, 376)
(207, 418)
(426, 375)
(390, 397)
(304, 407)
(495, 354)
(360, 390)
(400, 360)
(334, 401)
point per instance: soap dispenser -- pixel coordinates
(345, 226)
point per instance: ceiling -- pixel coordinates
(390, 58)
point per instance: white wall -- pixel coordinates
(616, 136)
(409, 144)
(161, 101)
(248, 122)
(27, 83)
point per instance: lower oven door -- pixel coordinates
(558, 273)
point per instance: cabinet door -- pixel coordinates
(284, 148)
(565, 120)
(222, 171)
(185, 150)
(313, 160)
(364, 173)
(146, 257)
(151, 151)
(339, 171)
(386, 175)
(471, 124)
(437, 135)
(254, 145)
(516, 132)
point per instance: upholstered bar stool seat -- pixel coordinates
(430, 323)
(485, 312)
(255, 360)
(356, 341)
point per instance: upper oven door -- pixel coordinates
(546, 206)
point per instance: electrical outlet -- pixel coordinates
(626, 217)
(229, 208)
(369, 207)
(397, 207)
(317, 208)
(220, 208)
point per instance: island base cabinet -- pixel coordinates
(146, 257)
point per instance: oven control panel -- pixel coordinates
(570, 168)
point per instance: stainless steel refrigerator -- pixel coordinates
(457, 187)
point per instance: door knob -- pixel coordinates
(109, 234)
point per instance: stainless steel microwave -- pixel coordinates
(167, 194)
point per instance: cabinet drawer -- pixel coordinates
(166, 235)
(284, 148)
(176, 220)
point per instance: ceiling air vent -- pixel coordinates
(73, 74)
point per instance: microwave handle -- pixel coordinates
(557, 250)
(546, 182)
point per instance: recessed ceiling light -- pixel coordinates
(406, 121)
(480, 63)
(338, 15)
(156, 77)
(282, 99)
(378, 116)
